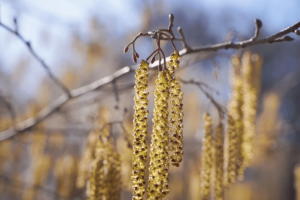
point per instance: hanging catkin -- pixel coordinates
(230, 175)
(206, 159)
(64, 172)
(104, 180)
(219, 162)
(159, 160)
(251, 70)
(176, 120)
(140, 131)
(236, 112)
(89, 152)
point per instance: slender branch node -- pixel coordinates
(258, 25)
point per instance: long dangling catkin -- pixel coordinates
(176, 120)
(206, 159)
(159, 160)
(89, 152)
(219, 162)
(297, 181)
(235, 162)
(64, 172)
(104, 180)
(230, 176)
(140, 131)
(251, 71)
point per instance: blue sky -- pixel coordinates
(58, 16)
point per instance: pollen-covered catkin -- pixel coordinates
(251, 70)
(104, 180)
(89, 152)
(65, 171)
(206, 159)
(159, 161)
(297, 181)
(140, 131)
(176, 120)
(236, 112)
(232, 152)
(219, 162)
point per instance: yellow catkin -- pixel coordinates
(206, 159)
(251, 70)
(297, 181)
(236, 112)
(159, 160)
(219, 162)
(230, 176)
(176, 120)
(89, 152)
(64, 172)
(105, 175)
(140, 131)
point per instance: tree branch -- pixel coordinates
(278, 37)
(35, 55)
(63, 99)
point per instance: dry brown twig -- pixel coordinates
(281, 36)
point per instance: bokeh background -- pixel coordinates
(83, 41)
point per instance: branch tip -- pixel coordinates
(258, 23)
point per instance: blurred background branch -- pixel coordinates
(63, 99)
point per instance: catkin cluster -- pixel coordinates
(241, 114)
(176, 120)
(159, 159)
(140, 131)
(212, 161)
(104, 182)
(168, 91)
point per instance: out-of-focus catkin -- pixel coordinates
(140, 131)
(159, 159)
(89, 152)
(206, 159)
(251, 64)
(219, 162)
(104, 182)
(230, 174)
(176, 120)
(64, 172)
(236, 112)
(297, 181)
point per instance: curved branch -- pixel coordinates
(63, 99)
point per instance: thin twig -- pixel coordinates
(63, 99)
(258, 25)
(200, 85)
(35, 55)
(183, 41)
(10, 109)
